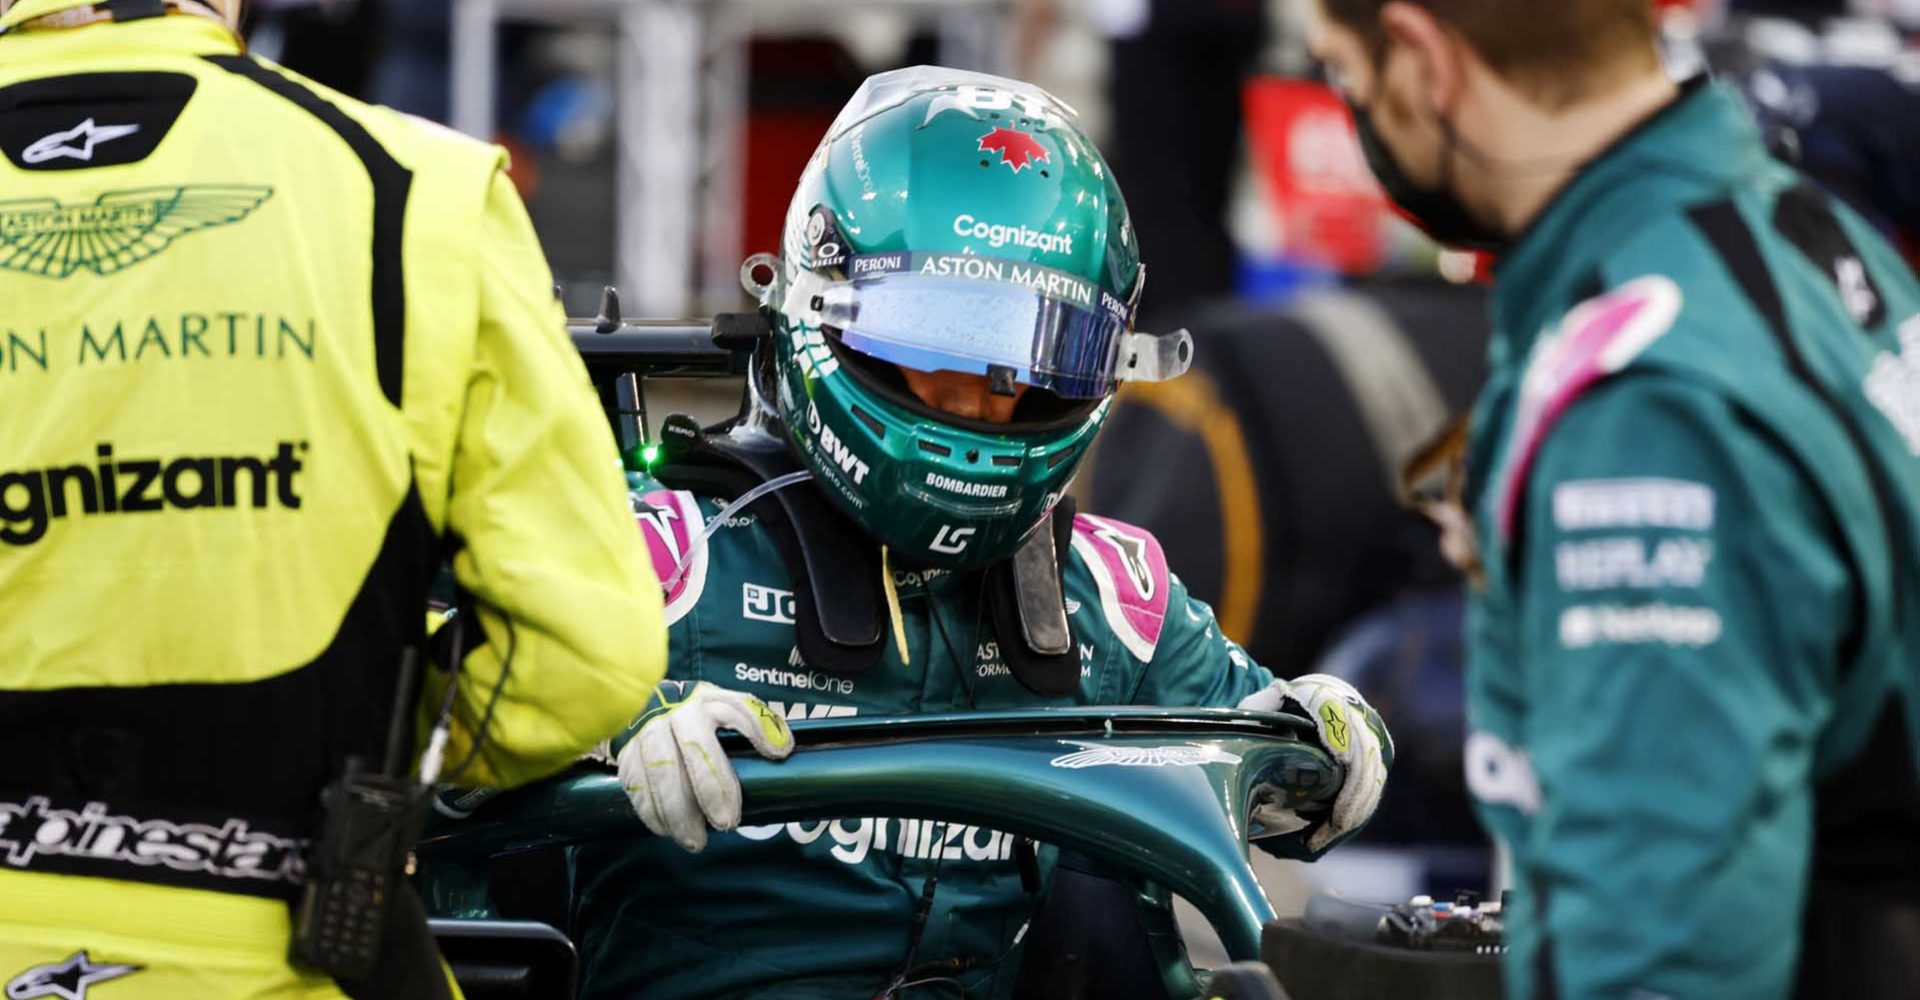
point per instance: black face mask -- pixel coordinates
(1436, 210)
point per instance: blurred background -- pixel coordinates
(657, 141)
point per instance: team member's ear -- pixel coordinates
(1432, 73)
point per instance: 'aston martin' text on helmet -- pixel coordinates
(955, 221)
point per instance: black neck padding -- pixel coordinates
(826, 553)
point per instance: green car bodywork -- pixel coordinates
(1159, 795)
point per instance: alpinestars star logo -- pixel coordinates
(75, 143)
(1017, 150)
(1133, 554)
(67, 980)
(119, 229)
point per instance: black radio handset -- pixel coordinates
(372, 819)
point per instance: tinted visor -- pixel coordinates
(958, 312)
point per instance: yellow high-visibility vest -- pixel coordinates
(266, 354)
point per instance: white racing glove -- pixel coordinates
(1351, 731)
(674, 771)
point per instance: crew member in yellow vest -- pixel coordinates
(267, 356)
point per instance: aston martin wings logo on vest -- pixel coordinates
(52, 239)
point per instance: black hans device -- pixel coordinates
(371, 820)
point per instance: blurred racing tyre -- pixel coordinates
(1244, 981)
(508, 960)
(1332, 954)
(1271, 467)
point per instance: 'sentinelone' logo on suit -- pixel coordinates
(42, 236)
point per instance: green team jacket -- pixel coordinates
(1694, 491)
(824, 909)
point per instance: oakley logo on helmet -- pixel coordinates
(998, 236)
(823, 236)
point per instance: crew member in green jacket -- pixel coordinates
(1693, 494)
(951, 316)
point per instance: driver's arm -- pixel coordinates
(1195, 664)
(1676, 678)
(571, 640)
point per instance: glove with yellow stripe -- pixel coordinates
(1351, 732)
(673, 770)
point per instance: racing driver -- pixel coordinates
(266, 356)
(950, 316)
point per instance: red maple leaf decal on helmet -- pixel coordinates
(1018, 150)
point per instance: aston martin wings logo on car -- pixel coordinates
(1107, 755)
(45, 237)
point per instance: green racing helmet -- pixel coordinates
(954, 221)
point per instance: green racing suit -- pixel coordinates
(825, 909)
(1692, 655)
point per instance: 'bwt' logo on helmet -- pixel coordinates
(834, 449)
(30, 501)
